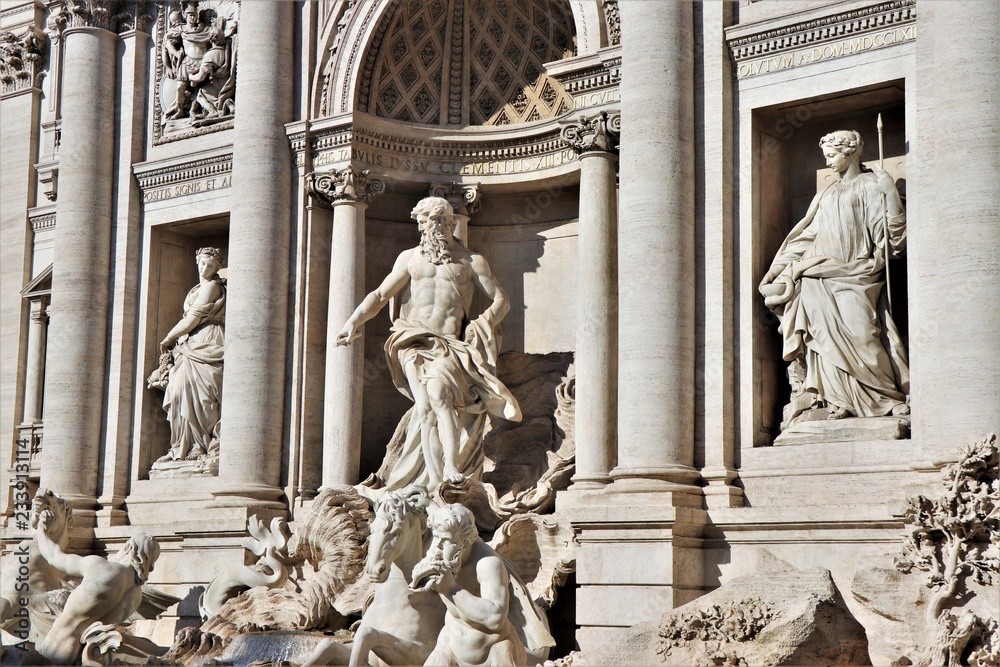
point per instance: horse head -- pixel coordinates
(400, 522)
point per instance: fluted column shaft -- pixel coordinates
(345, 364)
(953, 236)
(596, 357)
(33, 381)
(656, 248)
(74, 385)
(253, 398)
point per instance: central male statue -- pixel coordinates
(451, 378)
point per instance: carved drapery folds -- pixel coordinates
(596, 133)
(20, 61)
(344, 185)
(196, 58)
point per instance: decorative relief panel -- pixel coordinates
(196, 45)
(468, 62)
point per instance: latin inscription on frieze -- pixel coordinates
(188, 188)
(825, 52)
(424, 166)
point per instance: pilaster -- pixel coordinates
(133, 23)
(21, 71)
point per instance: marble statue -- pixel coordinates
(110, 591)
(271, 545)
(440, 360)
(36, 602)
(474, 584)
(400, 625)
(827, 287)
(198, 53)
(191, 367)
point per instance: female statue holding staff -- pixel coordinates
(827, 286)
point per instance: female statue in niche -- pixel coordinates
(827, 287)
(193, 353)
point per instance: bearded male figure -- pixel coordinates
(450, 377)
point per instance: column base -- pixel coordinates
(249, 495)
(589, 482)
(674, 478)
(720, 492)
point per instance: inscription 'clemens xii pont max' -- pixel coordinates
(432, 166)
(824, 52)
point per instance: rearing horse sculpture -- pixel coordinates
(401, 626)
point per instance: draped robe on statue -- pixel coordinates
(834, 312)
(192, 397)
(468, 368)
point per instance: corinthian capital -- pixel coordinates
(597, 133)
(464, 198)
(344, 185)
(134, 15)
(86, 14)
(20, 61)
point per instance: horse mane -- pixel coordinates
(395, 505)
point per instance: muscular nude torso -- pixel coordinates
(439, 295)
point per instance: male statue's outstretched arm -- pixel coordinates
(376, 299)
(71, 564)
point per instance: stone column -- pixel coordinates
(74, 384)
(464, 199)
(33, 381)
(656, 248)
(253, 398)
(953, 237)
(595, 140)
(349, 191)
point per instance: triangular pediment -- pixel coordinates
(40, 284)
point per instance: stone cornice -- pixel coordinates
(42, 221)
(593, 134)
(406, 152)
(158, 177)
(839, 34)
(346, 185)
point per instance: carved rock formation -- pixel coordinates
(776, 616)
(939, 606)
